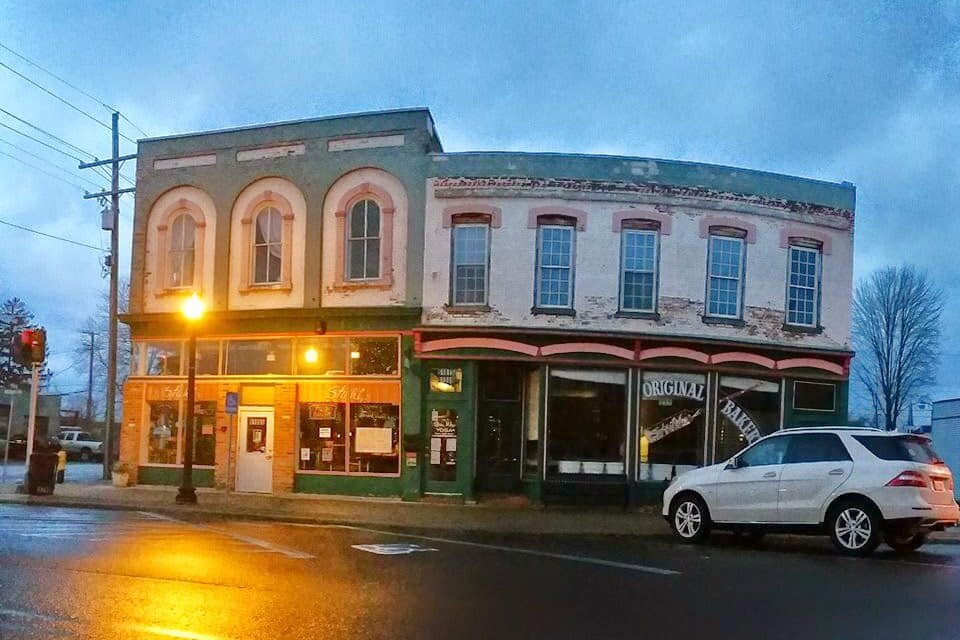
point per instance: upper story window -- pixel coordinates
(181, 255)
(471, 246)
(803, 285)
(268, 247)
(639, 257)
(555, 263)
(725, 271)
(363, 241)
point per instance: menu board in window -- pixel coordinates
(443, 444)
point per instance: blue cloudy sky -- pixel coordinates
(862, 91)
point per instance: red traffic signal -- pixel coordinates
(29, 347)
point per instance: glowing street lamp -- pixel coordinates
(192, 311)
(311, 355)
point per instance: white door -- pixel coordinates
(255, 451)
(748, 490)
(816, 464)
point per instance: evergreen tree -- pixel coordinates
(14, 318)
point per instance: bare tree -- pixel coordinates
(98, 323)
(896, 334)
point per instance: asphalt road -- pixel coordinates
(67, 573)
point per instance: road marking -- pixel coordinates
(16, 613)
(391, 549)
(263, 544)
(496, 547)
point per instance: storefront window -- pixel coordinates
(373, 356)
(163, 432)
(586, 421)
(672, 423)
(258, 357)
(371, 444)
(322, 356)
(161, 358)
(205, 433)
(446, 380)
(747, 409)
(374, 438)
(323, 436)
(208, 357)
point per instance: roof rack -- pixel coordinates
(837, 428)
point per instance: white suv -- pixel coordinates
(859, 485)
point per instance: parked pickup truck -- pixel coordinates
(79, 444)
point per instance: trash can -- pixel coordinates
(42, 473)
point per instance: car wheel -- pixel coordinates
(854, 528)
(85, 455)
(690, 519)
(904, 543)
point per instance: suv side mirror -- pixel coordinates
(733, 464)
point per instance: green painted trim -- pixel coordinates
(347, 485)
(799, 418)
(411, 418)
(172, 476)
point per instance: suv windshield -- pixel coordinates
(905, 448)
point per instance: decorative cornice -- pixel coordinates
(461, 186)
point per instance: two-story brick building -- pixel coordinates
(402, 321)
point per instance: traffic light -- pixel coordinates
(29, 347)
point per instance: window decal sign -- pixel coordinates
(677, 388)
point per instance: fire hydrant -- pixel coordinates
(61, 465)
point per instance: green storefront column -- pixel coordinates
(808, 418)
(412, 384)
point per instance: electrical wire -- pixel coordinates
(52, 164)
(38, 141)
(47, 235)
(72, 86)
(47, 133)
(44, 171)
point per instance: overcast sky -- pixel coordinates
(866, 92)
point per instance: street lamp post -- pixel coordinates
(193, 311)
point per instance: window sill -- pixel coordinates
(549, 311)
(638, 315)
(176, 291)
(282, 287)
(467, 309)
(810, 331)
(729, 322)
(361, 285)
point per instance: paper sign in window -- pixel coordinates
(373, 440)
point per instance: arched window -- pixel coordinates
(363, 241)
(181, 256)
(268, 247)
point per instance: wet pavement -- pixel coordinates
(87, 573)
(76, 472)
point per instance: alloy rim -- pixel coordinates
(687, 519)
(853, 528)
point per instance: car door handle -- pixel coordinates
(836, 472)
(770, 474)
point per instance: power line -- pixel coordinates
(44, 171)
(72, 86)
(38, 141)
(52, 164)
(47, 133)
(47, 235)
(61, 99)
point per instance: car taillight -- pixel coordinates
(909, 479)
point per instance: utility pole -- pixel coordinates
(92, 335)
(114, 221)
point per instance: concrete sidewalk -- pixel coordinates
(490, 517)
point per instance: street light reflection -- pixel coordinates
(172, 633)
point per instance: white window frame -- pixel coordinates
(486, 265)
(364, 239)
(739, 279)
(570, 269)
(818, 261)
(176, 257)
(655, 272)
(268, 244)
